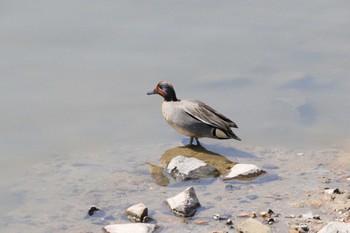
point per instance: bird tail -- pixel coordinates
(227, 134)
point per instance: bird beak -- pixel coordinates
(152, 92)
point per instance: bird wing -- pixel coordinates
(208, 115)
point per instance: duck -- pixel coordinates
(193, 118)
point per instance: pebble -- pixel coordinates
(332, 191)
(200, 221)
(220, 217)
(137, 213)
(229, 222)
(92, 210)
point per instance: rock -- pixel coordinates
(221, 163)
(201, 222)
(243, 171)
(251, 225)
(130, 227)
(137, 213)
(270, 221)
(184, 204)
(220, 217)
(229, 222)
(264, 215)
(332, 191)
(336, 227)
(92, 210)
(183, 168)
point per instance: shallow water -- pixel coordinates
(77, 128)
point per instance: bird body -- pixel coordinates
(193, 118)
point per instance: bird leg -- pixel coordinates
(191, 140)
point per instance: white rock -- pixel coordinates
(185, 165)
(184, 168)
(243, 171)
(184, 204)
(137, 212)
(130, 227)
(336, 227)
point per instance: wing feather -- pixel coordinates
(208, 115)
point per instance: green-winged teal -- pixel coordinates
(193, 118)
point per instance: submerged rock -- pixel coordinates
(130, 227)
(157, 175)
(183, 168)
(251, 225)
(243, 171)
(336, 227)
(137, 213)
(184, 204)
(220, 162)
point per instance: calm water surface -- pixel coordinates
(74, 81)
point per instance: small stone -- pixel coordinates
(270, 221)
(200, 222)
(92, 210)
(220, 217)
(316, 217)
(229, 222)
(243, 171)
(244, 215)
(264, 215)
(332, 191)
(184, 204)
(130, 227)
(137, 213)
(290, 216)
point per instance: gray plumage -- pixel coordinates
(193, 118)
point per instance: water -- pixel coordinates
(75, 76)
